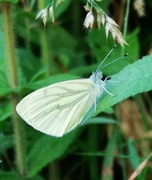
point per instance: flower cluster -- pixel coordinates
(91, 7)
(102, 18)
(48, 12)
(112, 27)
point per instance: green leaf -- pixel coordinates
(42, 71)
(9, 176)
(133, 48)
(57, 36)
(46, 150)
(61, 8)
(101, 120)
(27, 63)
(51, 80)
(11, 1)
(132, 150)
(135, 78)
(5, 110)
(6, 142)
(4, 85)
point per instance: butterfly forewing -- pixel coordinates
(58, 108)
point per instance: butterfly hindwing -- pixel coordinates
(58, 108)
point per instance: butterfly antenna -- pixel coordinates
(105, 58)
(115, 60)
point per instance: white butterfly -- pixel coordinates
(58, 108)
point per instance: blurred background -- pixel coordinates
(33, 55)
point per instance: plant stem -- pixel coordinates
(13, 81)
(46, 54)
(126, 22)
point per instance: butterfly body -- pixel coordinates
(58, 108)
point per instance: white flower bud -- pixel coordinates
(88, 22)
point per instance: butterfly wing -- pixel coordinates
(58, 108)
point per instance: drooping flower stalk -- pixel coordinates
(102, 18)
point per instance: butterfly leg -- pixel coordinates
(107, 79)
(103, 86)
(108, 91)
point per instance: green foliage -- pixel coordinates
(51, 148)
(3, 74)
(11, 1)
(6, 142)
(110, 151)
(133, 153)
(61, 9)
(9, 176)
(5, 111)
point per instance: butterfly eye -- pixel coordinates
(99, 75)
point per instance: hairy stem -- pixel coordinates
(13, 81)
